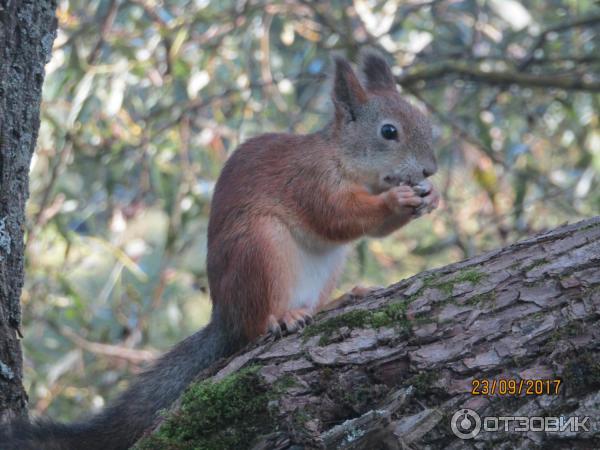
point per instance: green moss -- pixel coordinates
(536, 263)
(488, 297)
(379, 319)
(432, 281)
(423, 382)
(284, 383)
(300, 416)
(591, 225)
(393, 314)
(471, 275)
(216, 415)
(428, 281)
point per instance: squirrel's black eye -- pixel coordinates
(389, 132)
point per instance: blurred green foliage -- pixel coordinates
(145, 99)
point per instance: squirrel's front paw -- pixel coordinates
(403, 200)
(430, 197)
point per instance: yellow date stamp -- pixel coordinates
(515, 387)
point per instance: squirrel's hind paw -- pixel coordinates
(291, 322)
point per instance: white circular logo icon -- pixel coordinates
(466, 424)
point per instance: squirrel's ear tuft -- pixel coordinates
(347, 94)
(377, 72)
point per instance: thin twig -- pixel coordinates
(464, 70)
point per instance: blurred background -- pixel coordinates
(145, 99)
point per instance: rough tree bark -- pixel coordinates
(27, 31)
(390, 370)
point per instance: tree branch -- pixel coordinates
(462, 70)
(390, 370)
(541, 39)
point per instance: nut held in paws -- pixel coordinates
(423, 188)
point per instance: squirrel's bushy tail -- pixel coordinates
(121, 424)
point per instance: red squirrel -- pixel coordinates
(285, 209)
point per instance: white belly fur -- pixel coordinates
(314, 269)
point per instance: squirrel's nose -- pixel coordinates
(429, 168)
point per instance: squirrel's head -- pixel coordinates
(386, 140)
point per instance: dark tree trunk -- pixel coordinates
(27, 31)
(389, 371)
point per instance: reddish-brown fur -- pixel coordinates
(279, 192)
(273, 186)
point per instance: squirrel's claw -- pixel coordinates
(291, 322)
